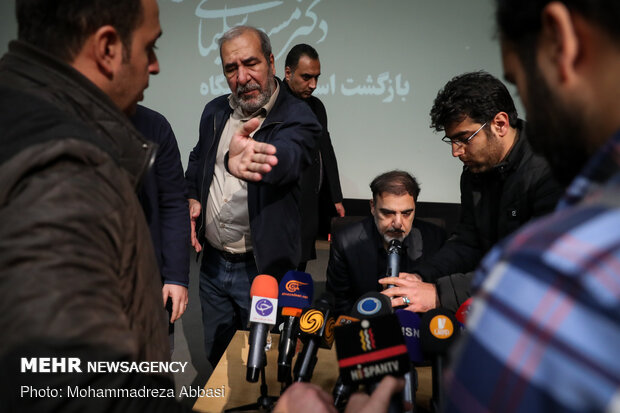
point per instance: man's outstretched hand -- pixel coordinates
(247, 159)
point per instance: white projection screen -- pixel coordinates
(382, 65)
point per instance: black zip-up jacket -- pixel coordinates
(273, 202)
(493, 205)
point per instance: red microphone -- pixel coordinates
(463, 312)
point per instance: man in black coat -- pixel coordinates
(358, 257)
(503, 185)
(320, 181)
(244, 191)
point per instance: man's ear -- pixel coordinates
(107, 50)
(372, 207)
(287, 73)
(559, 43)
(501, 124)
(271, 63)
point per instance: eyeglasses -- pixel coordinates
(461, 142)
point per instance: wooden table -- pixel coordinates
(229, 377)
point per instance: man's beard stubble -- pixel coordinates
(556, 130)
(250, 106)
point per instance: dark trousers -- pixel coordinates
(225, 300)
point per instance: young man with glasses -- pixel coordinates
(503, 185)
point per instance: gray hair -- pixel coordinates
(237, 31)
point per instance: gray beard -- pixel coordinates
(249, 107)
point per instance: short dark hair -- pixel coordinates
(477, 95)
(265, 43)
(299, 50)
(60, 27)
(395, 183)
(519, 22)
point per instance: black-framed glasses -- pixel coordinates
(460, 142)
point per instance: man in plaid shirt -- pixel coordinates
(544, 330)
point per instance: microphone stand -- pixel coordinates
(411, 387)
(436, 399)
(264, 403)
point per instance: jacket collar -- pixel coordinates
(603, 167)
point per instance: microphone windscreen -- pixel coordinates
(296, 290)
(410, 324)
(372, 304)
(264, 286)
(394, 246)
(463, 312)
(316, 321)
(438, 331)
(371, 349)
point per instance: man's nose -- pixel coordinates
(243, 76)
(153, 64)
(397, 223)
(312, 84)
(457, 150)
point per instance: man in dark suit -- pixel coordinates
(163, 197)
(320, 180)
(358, 253)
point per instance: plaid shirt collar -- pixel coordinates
(599, 169)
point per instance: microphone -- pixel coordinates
(393, 259)
(295, 294)
(369, 305)
(437, 334)
(463, 313)
(341, 393)
(371, 349)
(372, 304)
(410, 324)
(264, 293)
(317, 330)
